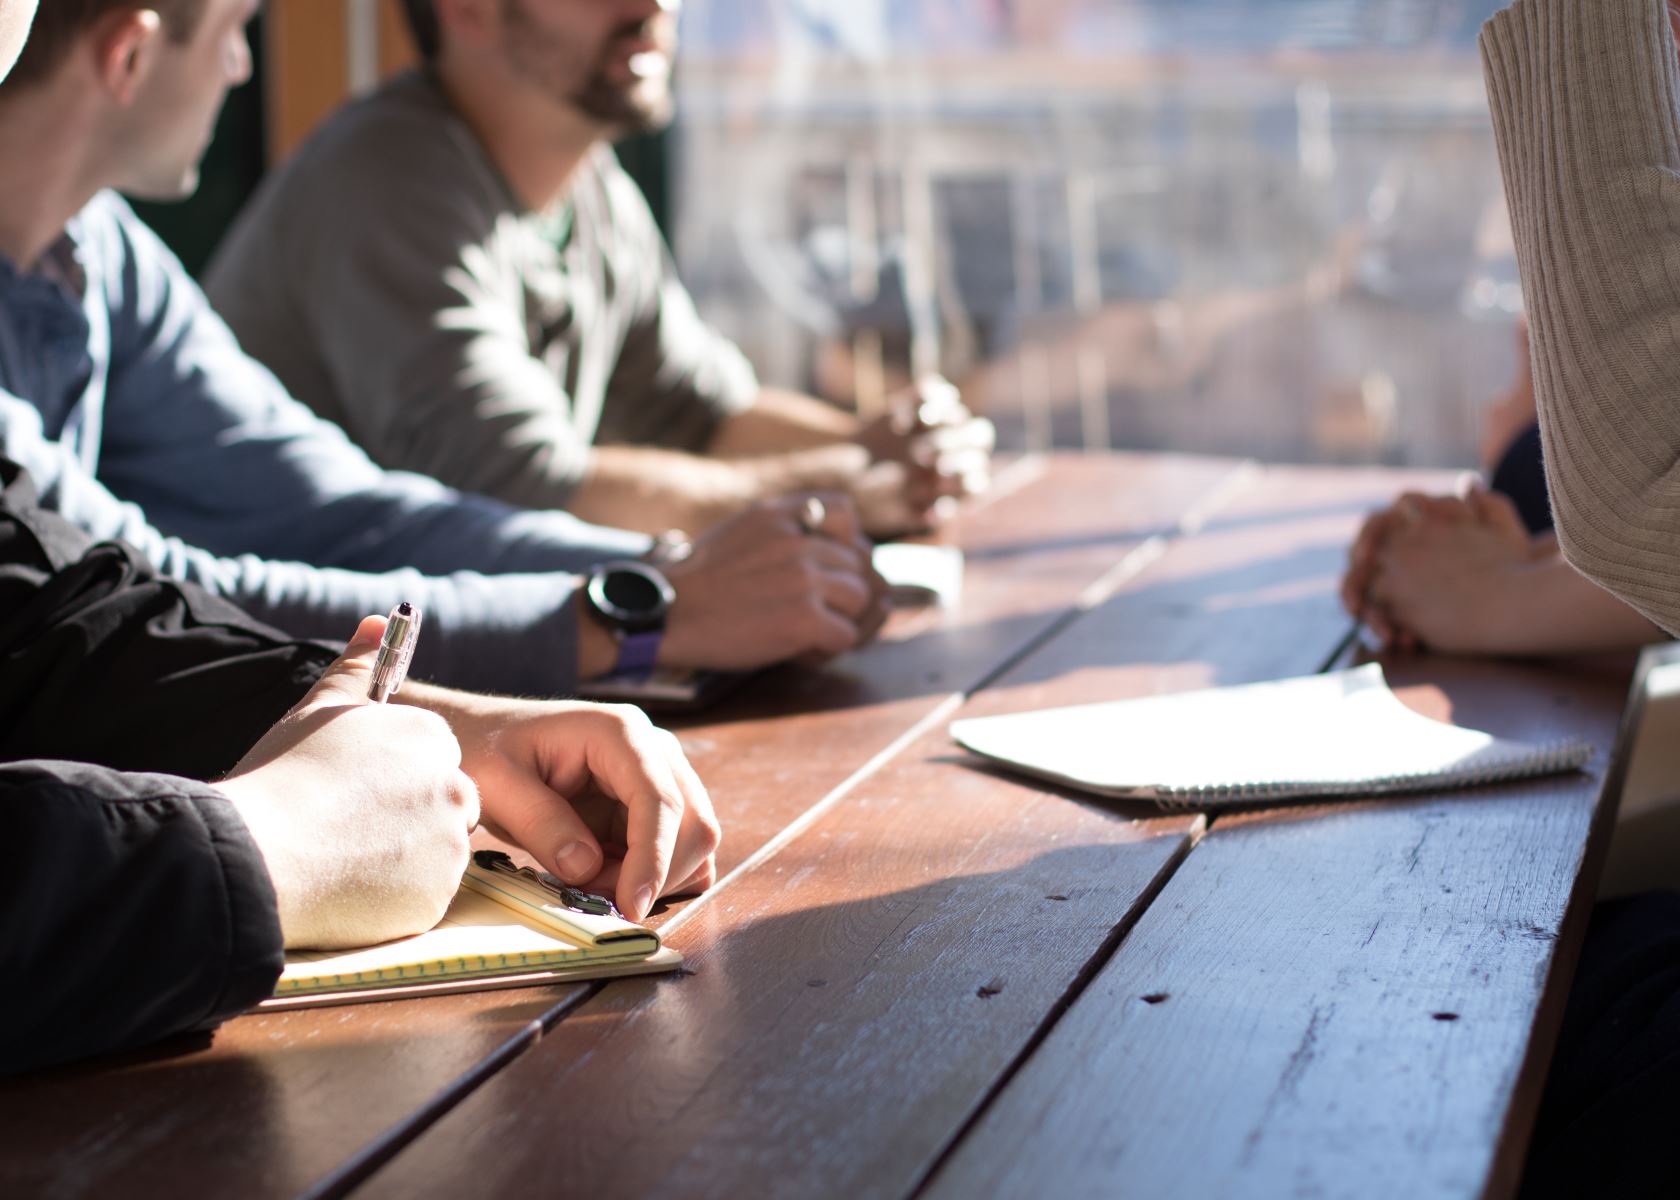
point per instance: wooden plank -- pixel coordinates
(262, 1109)
(1340, 1000)
(397, 51)
(849, 1003)
(308, 64)
(858, 995)
(278, 1102)
(1260, 571)
(1065, 526)
(307, 69)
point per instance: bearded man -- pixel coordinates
(457, 271)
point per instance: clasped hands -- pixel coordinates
(926, 452)
(362, 811)
(1442, 572)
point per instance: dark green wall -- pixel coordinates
(646, 158)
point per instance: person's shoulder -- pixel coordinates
(397, 167)
(401, 136)
(106, 213)
(111, 233)
(133, 273)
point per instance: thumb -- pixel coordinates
(531, 813)
(346, 680)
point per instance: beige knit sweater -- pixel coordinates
(1584, 97)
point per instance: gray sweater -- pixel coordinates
(391, 279)
(1584, 94)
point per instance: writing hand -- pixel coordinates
(360, 810)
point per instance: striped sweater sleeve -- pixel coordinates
(1583, 95)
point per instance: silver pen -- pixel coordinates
(396, 649)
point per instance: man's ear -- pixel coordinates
(125, 47)
(474, 23)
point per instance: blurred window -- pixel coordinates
(1257, 227)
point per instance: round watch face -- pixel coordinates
(631, 595)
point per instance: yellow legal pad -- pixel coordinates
(503, 929)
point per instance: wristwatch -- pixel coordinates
(631, 599)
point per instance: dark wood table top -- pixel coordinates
(920, 977)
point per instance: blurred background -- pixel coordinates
(1254, 227)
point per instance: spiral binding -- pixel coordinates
(1545, 759)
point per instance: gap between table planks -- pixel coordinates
(860, 995)
(1337, 1000)
(279, 1103)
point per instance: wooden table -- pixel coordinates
(921, 978)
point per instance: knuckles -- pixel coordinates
(626, 720)
(709, 835)
(808, 577)
(463, 795)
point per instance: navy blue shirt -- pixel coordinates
(140, 418)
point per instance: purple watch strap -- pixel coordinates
(637, 653)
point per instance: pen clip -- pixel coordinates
(569, 897)
(396, 651)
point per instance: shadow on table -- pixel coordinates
(289, 1096)
(1274, 598)
(1130, 810)
(1219, 523)
(933, 662)
(1236, 624)
(274, 1113)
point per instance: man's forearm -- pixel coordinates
(780, 421)
(653, 490)
(501, 631)
(1567, 613)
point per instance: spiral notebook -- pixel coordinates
(1333, 735)
(507, 927)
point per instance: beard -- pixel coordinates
(639, 108)
(636, 106)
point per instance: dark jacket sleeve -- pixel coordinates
(132, 907)
(102, 661)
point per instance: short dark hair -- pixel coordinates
(423, 24)
(58, 23)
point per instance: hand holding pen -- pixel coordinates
(345, 785)
(342, 787)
